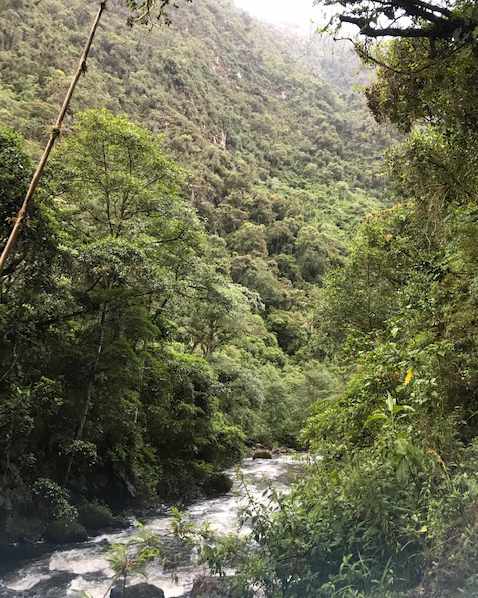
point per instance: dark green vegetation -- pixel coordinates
(158, 315)
(391, 509)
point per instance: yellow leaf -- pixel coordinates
(409, 376)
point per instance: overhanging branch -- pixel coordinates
(440, 29)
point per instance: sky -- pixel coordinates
(294, 12)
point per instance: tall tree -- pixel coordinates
(122, 193)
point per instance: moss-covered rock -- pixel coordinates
(96, 517)
(262, 453)
(217, 484)
(65, 532)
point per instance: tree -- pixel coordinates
(129, 232)
(360, 297)
(403, 310)
(28, 294)
(145, 11)
(135, 357)
(222, 312)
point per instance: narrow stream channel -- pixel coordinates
(67, 573)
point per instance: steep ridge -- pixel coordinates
(239, 103)
(267, 125)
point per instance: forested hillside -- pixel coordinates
(160, 313)
(227, 250)
(390, 508)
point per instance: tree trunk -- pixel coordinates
(55, 133)
(90, 388)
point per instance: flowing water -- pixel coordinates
(66, 573)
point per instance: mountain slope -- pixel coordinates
(241, 105)
(207, 343)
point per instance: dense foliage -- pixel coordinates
(157, 315)
(188, 283)
(389, 508)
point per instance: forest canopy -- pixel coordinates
(157, 313)
(389, 508)
(227, 251)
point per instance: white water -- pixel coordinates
(67, 573)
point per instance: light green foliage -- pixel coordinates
(389, 509)
(219, 552)
(161, 366)
(133, 556)
(292, 143)
(149, 411)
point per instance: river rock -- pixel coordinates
(10, 554)
(211, 587)
(95, 518)
(281, 450)
(217, 484)
(140, 590)
(262, 453)
(55, 586)
(65, 532)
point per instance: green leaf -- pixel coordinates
(390, 402)
(378, 416)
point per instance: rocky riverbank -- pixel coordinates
(59, 571)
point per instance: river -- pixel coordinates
(66, 573)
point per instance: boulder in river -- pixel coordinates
(95, 518)
(217, 484)
(65, 532)
(211, 587)
(262, 453)
(56, 586)
(281, 450)
(140, 590)
(10, 554)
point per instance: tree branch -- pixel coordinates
(442, 29)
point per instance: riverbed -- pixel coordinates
(67, 573)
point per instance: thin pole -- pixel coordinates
(55, 133)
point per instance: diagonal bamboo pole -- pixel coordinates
(55, 133)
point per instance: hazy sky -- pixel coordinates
(297, 12)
